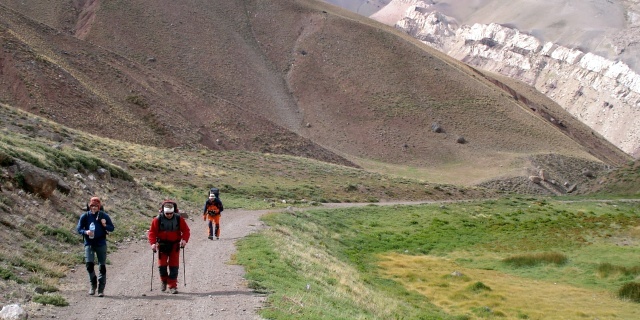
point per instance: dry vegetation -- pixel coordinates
(505, 295)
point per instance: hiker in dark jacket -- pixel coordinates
(212, 209)
(168, 233)
(95, 243)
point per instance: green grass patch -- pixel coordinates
(7, 274)
(51, 299)
(534, 259)
(62, 235)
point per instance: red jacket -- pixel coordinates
(156, 235)
(175, 229)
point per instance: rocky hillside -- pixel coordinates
(601, 90)
(333, 86)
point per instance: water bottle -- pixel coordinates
(92, 228)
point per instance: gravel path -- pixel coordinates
(214, 288)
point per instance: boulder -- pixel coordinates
(104, 174)
(13, 312)
(36, 180)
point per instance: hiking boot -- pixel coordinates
(173, 290)
(100, 294)
(164, 287)
(217, 238)
(94, 285)
(210, 237)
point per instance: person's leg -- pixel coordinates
(210, 229)
(101, 252)
(174, 267)
(216, 219)
(89, 258)
(162, 269)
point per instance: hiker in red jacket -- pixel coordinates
(168, 233)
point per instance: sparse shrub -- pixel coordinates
(530, 260)
(462, 277)
(8, 275)
(42, 284)
(19, 177)
(478, 287)
(351, 187)
(606, 269)
(53, 299)
(5, 159)
(137, 100)
(60, 234)
(630, 291)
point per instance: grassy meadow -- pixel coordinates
(512, 258)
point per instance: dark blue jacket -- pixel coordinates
(100, 238)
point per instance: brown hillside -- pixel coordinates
(85, 86)
(259, 75)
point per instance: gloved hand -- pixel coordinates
(154, 247)
(182, 243)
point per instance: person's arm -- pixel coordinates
(220, 206)
(80, 228)
(153, 234)
(184, 229)
(108, 225)
(204, 211)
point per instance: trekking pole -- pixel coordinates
(184, 268)
(153, 261)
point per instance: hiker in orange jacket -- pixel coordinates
(168, 233)
(212, 211)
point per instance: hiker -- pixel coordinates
(212, 209)
(95, 225)
(169, 233)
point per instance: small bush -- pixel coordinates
(53, 299)
(606, 269)
(630, 291)
(478, 287)
(8, 275)
(530, 260)
(42, 284)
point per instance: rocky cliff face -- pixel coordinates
(601, 92)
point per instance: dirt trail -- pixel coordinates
(215, 289)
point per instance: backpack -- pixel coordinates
(214, 208)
